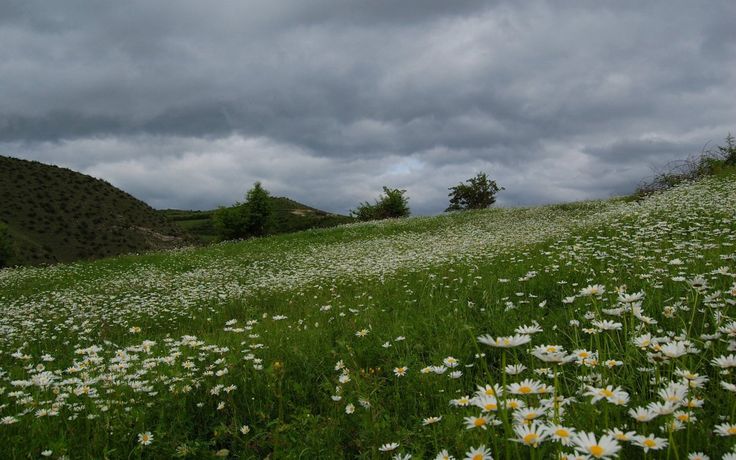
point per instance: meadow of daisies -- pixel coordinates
(589, 330)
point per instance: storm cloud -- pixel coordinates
(185, 103)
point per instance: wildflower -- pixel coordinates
(725, 429)
(560, 433)
(245, 429)
(504, 342)
(400, 371)
(450, 362)
(431, 420)
(604, 447)
(621, 435)
(515, 369)
(593, 290)
(697, 456)
(388, 447)
(476, 422)
(444, 455)
(134, 330)
(361, 333)
(462, 401)
(145, 439)
(725, 362)
(524, 387)
(649, 442)
(642, 414)
(349, 408)
(478, 453)
(530, 435)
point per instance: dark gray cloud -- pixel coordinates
(328, 100)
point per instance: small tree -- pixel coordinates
(6, 248)
(260, 211)
(478, 193)
(391, 204)
(243, 220)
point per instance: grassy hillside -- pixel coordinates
(57, 215)
(602, 329)
(289, 216)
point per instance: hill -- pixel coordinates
(289, 216)
(600, 329)
(58, 215)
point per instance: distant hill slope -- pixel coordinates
(59, 215)
(289, 216)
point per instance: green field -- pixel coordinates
(379, 340)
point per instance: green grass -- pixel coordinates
(280, 313)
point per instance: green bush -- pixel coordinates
(244, 220)
(391, 204)
(478, 193)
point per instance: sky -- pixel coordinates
(185, 104)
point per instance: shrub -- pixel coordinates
(392, 204)
(707, 162)
(478, 193)
(243, 220)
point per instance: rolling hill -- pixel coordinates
(288, 216)
(58, 215)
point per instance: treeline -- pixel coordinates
(255, 217)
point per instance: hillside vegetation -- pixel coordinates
(54, 214)
(599, 329)
(288, 216)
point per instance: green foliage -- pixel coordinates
(392, 204)
(6, 248)
(260, 211)
(728, 151)
(245, 220)
(478, 193)
(708, 162)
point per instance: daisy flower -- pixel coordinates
(389, 446)
(145, 439)
(559, 433)
(604, 447)
(400, 371)
(504, 342)
(431, 420)
(444, 455)
(478, 453)
(725, 429)
(532, 434)
(476, 422)
(649, 442)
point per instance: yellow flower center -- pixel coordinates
(596, 450)
(478, 457)
(513, 404)
(683, 417)
(490, 406)
(563, 433)
(479, 422)
(650, 443)
(732, 430)
(606, 392)
(531, 415)
(525, 389)
(530, 438)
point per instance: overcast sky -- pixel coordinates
(184, 104)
